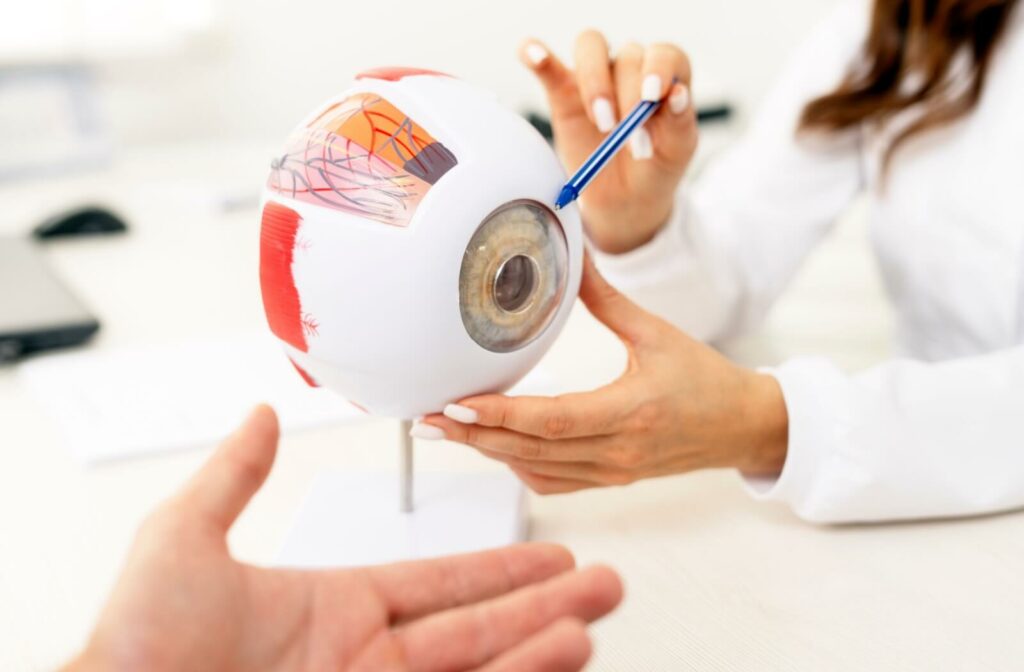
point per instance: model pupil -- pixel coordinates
(514, 283)
(513, 276)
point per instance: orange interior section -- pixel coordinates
(377, 125)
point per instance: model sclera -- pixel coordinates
(409, 255)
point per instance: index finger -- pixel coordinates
(420, 587)
(559, 82)
(594, 78)
(566, 416)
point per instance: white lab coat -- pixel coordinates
(939, 431)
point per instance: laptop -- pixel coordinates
(37, 311)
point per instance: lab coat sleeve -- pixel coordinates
(738, 234)
(903, 440)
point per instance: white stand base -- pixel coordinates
(353, 518)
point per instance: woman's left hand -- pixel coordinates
(679, 406)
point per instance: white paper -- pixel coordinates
(352, 518)
(138, 401)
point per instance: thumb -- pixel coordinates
(629, 321)
(224, 485)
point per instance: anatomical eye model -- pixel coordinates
(410, 255)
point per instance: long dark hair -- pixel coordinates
(908, 58)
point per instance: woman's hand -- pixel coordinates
(632, 198)
(183, 603)
(679, 406)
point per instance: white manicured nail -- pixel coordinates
(426, 432)
(679, 100)
(603, 115)
(536, 53)
(461, 414)
(651, 88)
(640, 145)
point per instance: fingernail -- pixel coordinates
(651, 88)
(603, 115)
(679, 100)
(640, 145)
(536, 53)
(461, 414)
(426, 432)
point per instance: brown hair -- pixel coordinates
(908, 60)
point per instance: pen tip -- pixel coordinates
(565, 197)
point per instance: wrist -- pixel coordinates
(767, 427)
(627, 231)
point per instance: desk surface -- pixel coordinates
(714, 580)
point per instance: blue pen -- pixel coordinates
(605, 151)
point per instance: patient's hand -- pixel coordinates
(183, 603)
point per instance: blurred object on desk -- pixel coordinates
(139, 401)
(55, 57)
(456, 512)
(50, 31)
(85, 220)
(49, 121)
(37, 312)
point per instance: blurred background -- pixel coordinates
(167, 71)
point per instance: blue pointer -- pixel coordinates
(605, 151)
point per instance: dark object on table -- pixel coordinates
(541, 123)
(705, 115)
(83, 221)
(714, 113)
(37, 312)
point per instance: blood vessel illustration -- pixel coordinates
(364, 156)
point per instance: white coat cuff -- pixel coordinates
(805, 384)
(652, 259)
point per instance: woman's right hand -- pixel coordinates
(632, 198)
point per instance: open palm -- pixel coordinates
(183, 603)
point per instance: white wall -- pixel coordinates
(267, 63)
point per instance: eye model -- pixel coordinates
(398, 192)
(513, 277)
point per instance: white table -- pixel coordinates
(714, 580)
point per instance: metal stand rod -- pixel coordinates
(405, 501)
